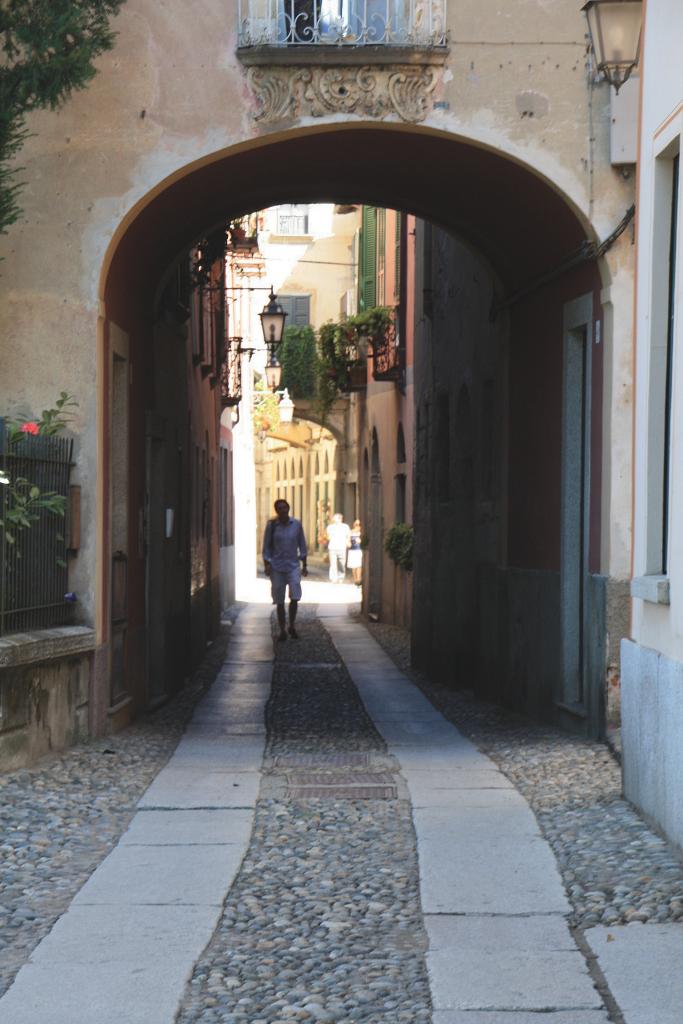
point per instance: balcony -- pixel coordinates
(341, 31)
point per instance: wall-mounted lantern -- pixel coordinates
(272, 319)
(273, 371)
(286, 408)
(615, 27)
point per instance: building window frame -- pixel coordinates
(665, 256)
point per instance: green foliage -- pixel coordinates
(266, 415)
(52, 421)
(373, 322)
(298, 355)
(22, 502)
(25, 505)
(48, 51)
(344, 345)
(398, 544)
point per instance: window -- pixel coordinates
(398, 241)
(400, 445)
(292, 219)
(368, 259)
(427, 285)
(297, 308)
(400, 495)
(670, 324)
(487, 440)
(662, 356)
(226, 523)
(381, 256)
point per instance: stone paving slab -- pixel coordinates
(229, 713)
(503, 1017)
(249, 654)
(248, 675)
(230, 689)
(197, 875)
(179, 828)
(219, 753)
(643, 966)
(79, 994)
(479, 816)
(410, 732)
(429, 788)
(464, 803)
(506, 963)
(445, 757)
(124, 934)
(489, 875)
(228, 728)
(186, 789)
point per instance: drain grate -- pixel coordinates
(315, 664)
(342, 779)
(343, 792)
(351, 760)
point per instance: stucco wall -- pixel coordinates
(658, 626)
(652, 726)
(652, 663)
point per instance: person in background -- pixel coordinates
(284, 545)
(354, 560)
(338, 543)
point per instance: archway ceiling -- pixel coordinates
(520, 224)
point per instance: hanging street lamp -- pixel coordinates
(273, 371)
(615, 27)
(286, 408)
(272, 319)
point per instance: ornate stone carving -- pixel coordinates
(289, 92)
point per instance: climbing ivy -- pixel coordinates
(298, 355)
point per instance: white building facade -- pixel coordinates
(652, 660)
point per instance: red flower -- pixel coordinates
(30, 428)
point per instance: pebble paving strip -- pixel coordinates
(60, 818)
(323, 922)
(615, 867)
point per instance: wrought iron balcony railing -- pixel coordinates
(388, 352)
(416, 24)
(231, 373)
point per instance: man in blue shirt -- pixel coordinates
(284, 545)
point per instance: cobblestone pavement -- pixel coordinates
(323, 921)
(60, 818)
(615, 867)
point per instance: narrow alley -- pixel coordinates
(341, 452)
(325, 845)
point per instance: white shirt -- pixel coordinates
(339, 536)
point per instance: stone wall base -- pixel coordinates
(651, 730)
(44, 708)
(45, 683)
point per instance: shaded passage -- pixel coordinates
(323, 922)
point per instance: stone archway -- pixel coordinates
(480, 196)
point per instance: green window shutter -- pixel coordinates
(302, 311)
(368, 259)
(297, 308)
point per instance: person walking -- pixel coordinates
(339, 541)
(284, 546)
(354, 560)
